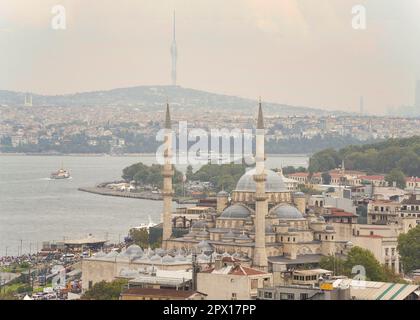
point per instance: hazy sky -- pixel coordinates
(300, 52)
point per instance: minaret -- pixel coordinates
(174, 54)
(261, 204)
(167, 174)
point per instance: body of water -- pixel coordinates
(34, 208)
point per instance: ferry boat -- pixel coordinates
(60, 174)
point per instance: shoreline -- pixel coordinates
(123, 194)
(145, 195)
(7, 154)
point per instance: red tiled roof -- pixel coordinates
(412, 179)
(244, 271)
(335, 212)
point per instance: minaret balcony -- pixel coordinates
(168, 193)
(260, 197)
(260, 177)
(168, 173)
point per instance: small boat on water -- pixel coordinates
(60, 174)
(146, 226)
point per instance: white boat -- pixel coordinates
(146, 226)
(60, 174)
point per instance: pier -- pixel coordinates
(125, 194)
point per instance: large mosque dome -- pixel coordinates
(236, 211)
(287, 212)
(274, 182)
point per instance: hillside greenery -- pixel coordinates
(382, 157)
(223, 177)
(148, 175)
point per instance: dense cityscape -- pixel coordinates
(129, 129)
(117, 184)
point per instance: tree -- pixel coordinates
(189, 174)
(105, 290)
(326, 178)
(409, 163)
(409, 249)
(396, 176)
(324, 160)
(362, 257)
(140, 237)
(334, 264)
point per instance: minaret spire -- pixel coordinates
(261, 203)
(167, 174)
(167, 117)
(260, 122)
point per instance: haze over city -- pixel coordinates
(293, 52)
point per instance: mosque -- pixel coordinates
(263, 221)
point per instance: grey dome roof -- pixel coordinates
(236, 211)
(274, 182)
(168, 259)
(287, 212)
(223, 194)
(229, 235)
(243, 237)
(156, 257)
(112, 254)
(134, 250)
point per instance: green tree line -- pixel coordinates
(399, 154)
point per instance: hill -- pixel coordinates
(154, 96)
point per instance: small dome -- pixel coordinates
(236, 211)
(274, 182)
(180, 257)
(222, 194)
(229, 235)
(287, 212)
(204, 246)
(156, 257)
(134, 250)
(203, 233)
(349, 244)
(203, 257)
(160, 252)
(329, 228)
(299, 195)
(112, 254)
(243, 236)
(168, 259)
